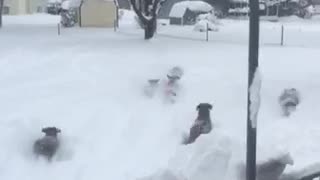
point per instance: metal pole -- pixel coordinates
(207, 33)
(1, 11)
(58, 29)
(253, 65)
(282, 35)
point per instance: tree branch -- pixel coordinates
(138, 11)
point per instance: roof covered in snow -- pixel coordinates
(239, 1)
(180, 8)
(54, 1)
(67, 4)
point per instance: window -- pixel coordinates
(6, 10)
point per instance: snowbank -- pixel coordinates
(179, 8)
(205, 159)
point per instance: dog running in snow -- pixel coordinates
(202, 124)
(48, 145)
(289, 100)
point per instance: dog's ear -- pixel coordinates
(210, 106)
(198, 107)
(58, 130)
(43, 130)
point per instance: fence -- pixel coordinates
(298, 33)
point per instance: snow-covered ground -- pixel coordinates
(88, 82)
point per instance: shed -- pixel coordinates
(186, 12)
(98, 13)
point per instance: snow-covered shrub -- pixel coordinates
(208, 20)
(208, 16)
(205, 24)
(309, 11)
(68, 14)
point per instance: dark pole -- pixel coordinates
(58, 29)
(1, 11)
(282, 35)
(253, 65)
(207, 33)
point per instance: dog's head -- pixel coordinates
(204, 109)
(51, 131)
(204, 106)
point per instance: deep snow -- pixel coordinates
(89, 82)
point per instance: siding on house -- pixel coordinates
(36, 6)
(16, 7)
(98, 13)
(12, 6)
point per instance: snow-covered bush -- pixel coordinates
(208, 16)
(68, 14)
(208, 20)
(309, 11)
(204, 25)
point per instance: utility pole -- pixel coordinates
(1, 11)
(253, 67)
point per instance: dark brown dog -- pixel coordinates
(202, 124)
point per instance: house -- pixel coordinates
(17, 7)
(98, 13)
(186, 12)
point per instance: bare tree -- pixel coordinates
(1, 10)
(147, 11)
